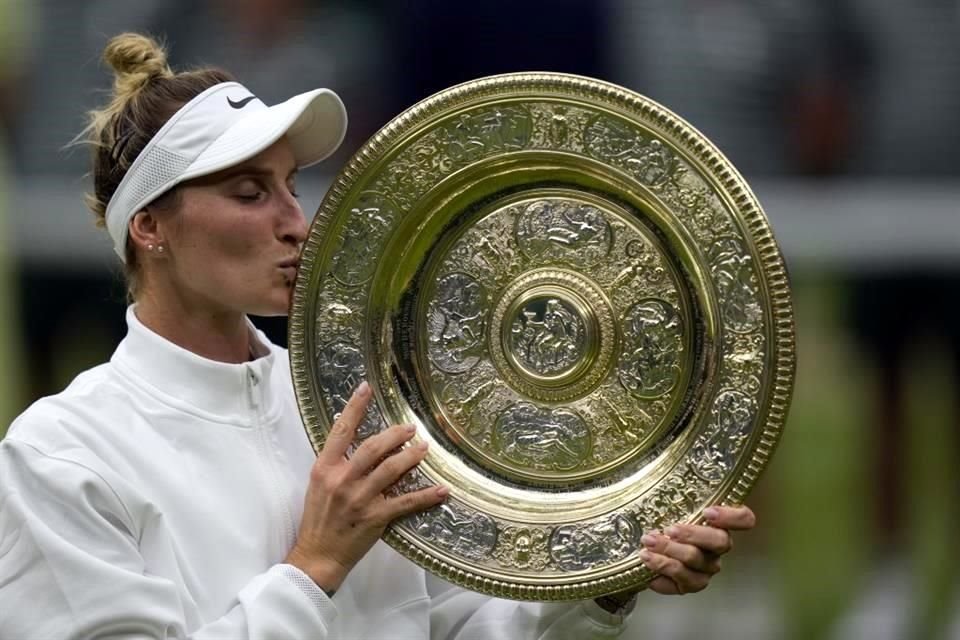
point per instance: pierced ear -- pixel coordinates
(145, 232)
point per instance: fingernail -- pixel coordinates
(410, 428)
(363, 390)
(648, 540)
(645, 556)
(672, 532)
(443, 492)
(422, 446)
(711, 513)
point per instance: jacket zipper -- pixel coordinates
(280, 509)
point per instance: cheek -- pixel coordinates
(240, 247)
(219, 240)
(224, 250)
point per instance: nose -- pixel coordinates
(293, 229)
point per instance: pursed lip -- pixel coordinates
(290, 268)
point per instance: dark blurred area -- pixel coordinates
(841, 114)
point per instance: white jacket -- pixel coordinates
(158, 495)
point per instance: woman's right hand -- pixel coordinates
(345, 509)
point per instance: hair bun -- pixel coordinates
(137, 59)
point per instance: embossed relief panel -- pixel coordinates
(525, 309)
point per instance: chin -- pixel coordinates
(269, 313)
(277, 304)
(277, 310)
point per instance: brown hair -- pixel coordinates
(146, 93)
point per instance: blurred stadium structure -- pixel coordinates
(843, 114)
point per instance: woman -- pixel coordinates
(172, 491)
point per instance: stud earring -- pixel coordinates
(160, 248)
(149, 247)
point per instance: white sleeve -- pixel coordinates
(458, 614)
(70, 567)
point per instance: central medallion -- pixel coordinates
(547, 336)
(556, 334)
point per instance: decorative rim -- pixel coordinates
(698, 151)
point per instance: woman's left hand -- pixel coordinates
(686, 556)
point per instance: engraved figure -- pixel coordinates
(335, 318)
(653, 165)
(630, 427)
(733, 413)
(576, 548)
(424, 154)
(619, 143)
(507, 129)
(676, 499)
(611, 140)
(406, 178)
(737, 285)
(523, 548)
(473, 135)
(709, 461)
(467, 142)
(340, 370)
(455, 323)
(746, 357)
(412, 480)
(461, 399)
(464, 532)
(558, 229)
(489, 252)
(340, 314)
(550, 342)
(559, 127)
(485, 251)
(710, 219)
(643, 264)
(715, 452)
(650, 363)
(538, 438)
(361, 237)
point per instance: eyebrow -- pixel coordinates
(249, 170)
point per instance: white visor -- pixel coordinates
(218, 129)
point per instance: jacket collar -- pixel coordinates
(224, 392)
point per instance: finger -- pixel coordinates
(345, 427)
(413, 502)
(739, 518)
(686, 580)
(691, 556)
(664, 586)
(393, 467)
(372, 451)
(709, 540)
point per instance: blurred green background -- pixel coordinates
(843, 115)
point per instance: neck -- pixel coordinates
(220, 335)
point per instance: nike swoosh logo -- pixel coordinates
(240, 104)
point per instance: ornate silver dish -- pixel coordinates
(579, 303)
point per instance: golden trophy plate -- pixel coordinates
(578, 302)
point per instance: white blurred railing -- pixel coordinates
(844, 224)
